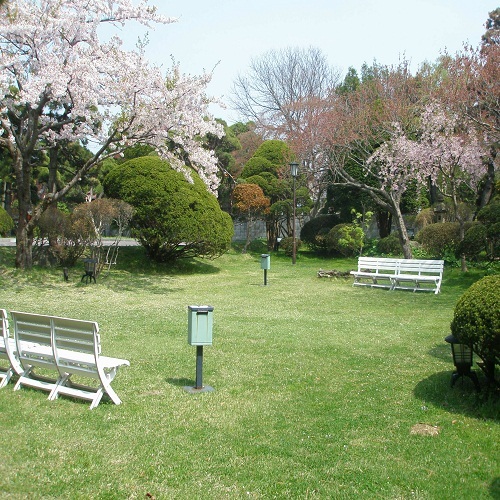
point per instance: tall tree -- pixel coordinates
(60, 82)
(250, 202)
(357, 123)
(446, 150)
(276, 82)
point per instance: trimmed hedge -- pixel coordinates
(173, 218)
(476, 321)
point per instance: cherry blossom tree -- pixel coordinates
(358, 122)
(447, 150)
(61, 82)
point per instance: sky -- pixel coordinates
(225, 35)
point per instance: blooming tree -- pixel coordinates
(448, 151)
(61, 82)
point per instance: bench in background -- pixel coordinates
(401, 274)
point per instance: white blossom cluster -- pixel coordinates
(77, 87)
(446, 148)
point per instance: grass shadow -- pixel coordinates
(181, 382)
(442, 352)
(461, 398)
(135, 260)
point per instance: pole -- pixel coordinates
(294, 247)
(199, 367)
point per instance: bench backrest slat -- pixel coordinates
(76, 335)
(32, 328)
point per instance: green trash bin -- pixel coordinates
(200, 324)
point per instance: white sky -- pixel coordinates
(229, 33)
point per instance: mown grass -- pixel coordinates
(318, 385)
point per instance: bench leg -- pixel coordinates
(61, 381)
(5, 377)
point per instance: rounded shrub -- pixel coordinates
(6, 222)
(475, 241)
(286, 244)
(440, 238)
(173, 218)
(390, 245)
(476, 321)
(315, 230)
(346, 239)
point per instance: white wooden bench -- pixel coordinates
(377, 271)
(66, 347)
(428, 273)
(423, 274)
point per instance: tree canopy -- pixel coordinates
(60, 83)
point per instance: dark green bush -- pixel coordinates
(476, 321)
(314, 231)
(474, 243)
(6, 222)
(173, 218)
(390, 245)
(440, 239)
(490, 217)
(286, 244)
(346, 239)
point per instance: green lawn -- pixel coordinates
(318, 385)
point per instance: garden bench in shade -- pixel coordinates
(67, 348)
(401, 274)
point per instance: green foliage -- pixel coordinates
(390, 245)
(476, 320)
(173, 218)
(490, 217)
(474, 243)
(6, 222)
(346, 239)
(276, 152)
(256, 165)
(286, 244)
(314, 231)
(440, 239)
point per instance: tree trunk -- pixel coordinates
(384, 222)
(489, 184)
(24, 233)
(403, 235)
(24, 242)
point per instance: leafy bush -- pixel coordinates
(286, 244)
(314, 231)
(62, 238)
(476, 321)
(490, 217)
(475, 242)
(424, 218)
(173, 218)
(6, 222)
(346, 239)
(390, 245)
(440, 239)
